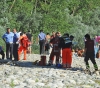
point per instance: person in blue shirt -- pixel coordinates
(15, 44)
(42, 39)
(2, 52)
(8, 39)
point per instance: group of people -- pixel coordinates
(62, 47)
(16, 42)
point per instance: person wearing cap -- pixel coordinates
(8, 39)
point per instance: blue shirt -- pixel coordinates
(15, 37)
(42, 36)
(8, 37)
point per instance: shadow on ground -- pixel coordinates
(29, 64)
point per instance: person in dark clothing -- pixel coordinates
(15, 45)
(42, 39)
(2, 52)
(89, 52)
(29, 35)
(8, 39)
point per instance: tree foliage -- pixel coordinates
(76, 17)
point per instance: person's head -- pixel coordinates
(41, 30)
(28, 30)
(47, 34)
(59, 34)
(21, 34)
(8, 30)
(14, 30)
(71, 37)
(53, 33)
(24, 32)
(66, 34)
(87, 36)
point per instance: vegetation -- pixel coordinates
(76, 17)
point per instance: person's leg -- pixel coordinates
(15, 52)
(86, 60)
(69, 58)
(7, 50)
(25, 50)
(40, 43)
(43, 46)
(11, 51)
(64, 58)
(51, 57)
(3, 54)
(19, 51)
(93, 60)
(47, 48)
(57, 57)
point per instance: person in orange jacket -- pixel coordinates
(21, 47)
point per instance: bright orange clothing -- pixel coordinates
(66, 57)
(20, 49)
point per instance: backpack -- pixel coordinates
(25, 42)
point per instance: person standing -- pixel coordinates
(47, 45)
(65, 45)
(8, 38)
(42, 39)
(30, 38)
(23, 40)
(55, 50)
(15, 45)
(89, 52)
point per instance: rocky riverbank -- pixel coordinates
(27, 75)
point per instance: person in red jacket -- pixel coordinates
(55, 49)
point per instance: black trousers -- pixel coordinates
(15, 51)
(42, 46)
(90, 55)
(2, 53)
(9, 50)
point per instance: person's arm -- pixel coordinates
(3, 37)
